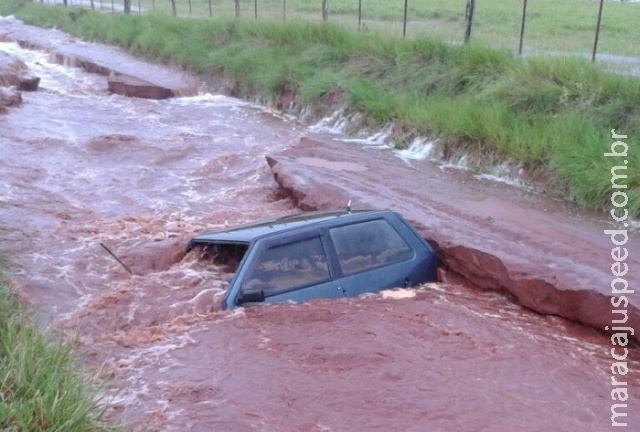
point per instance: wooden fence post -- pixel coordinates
(237, 6)
(524, 14)
(595, 42)
(404, 19)
(325, 10)
(468, 19)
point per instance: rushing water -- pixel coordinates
(81, 167)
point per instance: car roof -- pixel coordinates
(250, 232)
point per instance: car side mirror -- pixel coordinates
(251, 296)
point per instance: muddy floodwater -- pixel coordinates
(81, 168)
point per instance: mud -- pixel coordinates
(551, 258)
(82, 167)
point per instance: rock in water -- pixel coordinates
(28, 83)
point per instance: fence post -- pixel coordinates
(284, 10)
(255, 9)
(468, 18)
(237, 6)
(359, 13)
(595, 42)
(524, 14)
(190, 9)
(210, 11)
(404, 19)
(325, 10)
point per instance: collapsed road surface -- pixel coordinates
(82, 167)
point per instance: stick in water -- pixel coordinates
(117, 259)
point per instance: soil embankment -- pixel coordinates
(550, 260)
(14, 78)
(126, 74)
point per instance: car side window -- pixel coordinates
(368, 245)
(286, 267)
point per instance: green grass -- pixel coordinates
(551, 115)
(41, 387)
(552, 25)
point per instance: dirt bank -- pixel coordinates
(549, 257)
(14, 78)
(126, 74)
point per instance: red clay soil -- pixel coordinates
(494, 237)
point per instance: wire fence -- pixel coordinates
(557, 26)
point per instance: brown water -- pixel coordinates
(80, 167)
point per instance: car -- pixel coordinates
(318, 255)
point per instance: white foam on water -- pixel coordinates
(336, 123)
(379, 139)
(419, 149)
(54, 78)
(398, 293)
(462, 163)
(506, 180)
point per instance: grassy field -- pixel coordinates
(552, 115)
(552, 25)
(41, 387)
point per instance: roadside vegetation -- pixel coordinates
(552, 25)
(41, 387)
(550, 115)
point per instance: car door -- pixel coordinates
(290, 267)
(372, 256)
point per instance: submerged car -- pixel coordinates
(319, 255)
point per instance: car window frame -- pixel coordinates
(265, 244)
(335, 257)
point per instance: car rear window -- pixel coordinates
(368, 245)
(286, 267)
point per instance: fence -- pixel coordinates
(551, 25)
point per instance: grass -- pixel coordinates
(41, 388)
(552, 25)
(552, 115)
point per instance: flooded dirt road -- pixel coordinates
(81, 167)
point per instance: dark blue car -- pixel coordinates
(319, 255)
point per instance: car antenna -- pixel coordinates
(349, 207)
